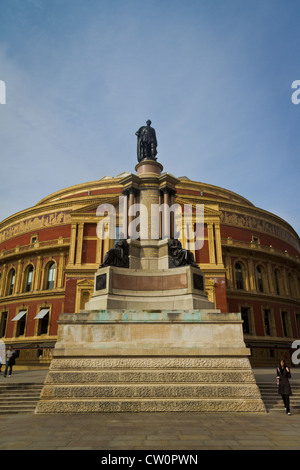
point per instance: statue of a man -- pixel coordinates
(146, 142)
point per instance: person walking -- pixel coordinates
(284, 388)
(10, 361)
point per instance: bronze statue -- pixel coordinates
(117, 256)
(146, 143)
(178, 256)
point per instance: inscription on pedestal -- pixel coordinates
(198, 282)
(101, 281)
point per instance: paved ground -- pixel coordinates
(149, 431)
(24, 376)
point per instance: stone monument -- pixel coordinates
(149, 339)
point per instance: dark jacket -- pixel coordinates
(284, 387)
(11, 358)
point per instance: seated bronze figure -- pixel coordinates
(117, 256)
(178, 256)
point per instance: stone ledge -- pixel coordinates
(120, 350)
(148, 376)
(157, 405)
(186, 391)
(117, 363)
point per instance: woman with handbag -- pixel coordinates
(284, 388)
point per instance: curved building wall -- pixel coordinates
(50, 252)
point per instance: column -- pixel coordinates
(229, 270)
(172, 215)
(37, 273)
(99, 251)
(79, 243)
(270, 278)
(166, 216)
(218, 243)
(252, 275)
(130, 217)
(285, 283)
(18, 277)
(61, 269)
(125, 214)
(211, 243)
(106, 240)
(3, 279)
(160, 215)
(72, 244)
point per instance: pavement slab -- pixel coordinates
(148, 431)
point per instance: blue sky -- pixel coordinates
(214, 76)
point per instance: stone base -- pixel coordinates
(150, 362)
(173, 289)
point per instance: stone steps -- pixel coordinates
(149, 376)
(149, 385)
(111, 405)
(273, 401)
(149, 391)
(19, 397)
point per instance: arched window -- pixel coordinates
(50, 276)
(259, 277)
(239, 278)
(11, 282)
(28, 278)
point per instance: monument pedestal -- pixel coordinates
(149, 340)
(150, 361)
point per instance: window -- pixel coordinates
(259, 277)
(267, 322)
(33, 240)
(11, 282)
(239, 279)
(50, 276)
(245, 312)
(3, 323)
(20, 318)
(43, 321)
(28, 279)
(21, 326)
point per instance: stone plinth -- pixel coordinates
(138, 361)
(173, 289)
(148, 167)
